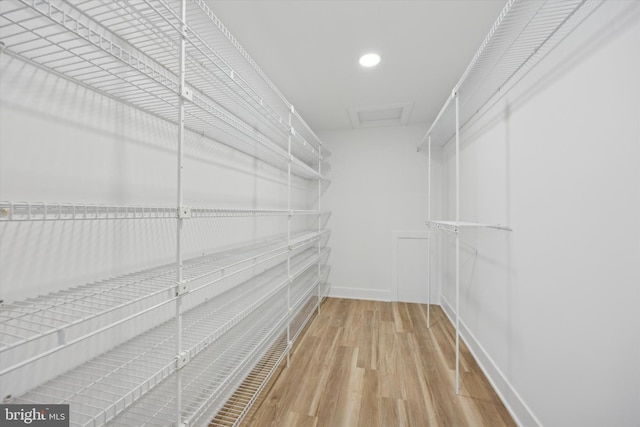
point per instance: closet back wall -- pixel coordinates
(378, 185)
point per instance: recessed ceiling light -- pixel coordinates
(369, 60)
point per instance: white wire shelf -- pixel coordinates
(213, 41)
(304, 313)
(456, 226)
(301, 290)
(102, 388)
(306, 299)
(210, 54)
(524, 32)
(57, 36)
(58, 320)
(100, 45)
(238, 405)
(303, 286)
(39, 211)
(210, 380)
(220, 212)
(130, 51)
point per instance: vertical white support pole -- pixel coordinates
(183, 35)
(289, 240)
(457, 245)
(429, 237)
(319, 225)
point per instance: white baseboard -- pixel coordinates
(519, 410)
(360, 293)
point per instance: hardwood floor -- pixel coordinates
(368, 364)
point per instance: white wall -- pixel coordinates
(378, 185)
(551, 310)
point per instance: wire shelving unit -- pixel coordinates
(58, 320)
(128, 51)
(122, 376)
(236, 312)
(522, 35)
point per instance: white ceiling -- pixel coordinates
(310, 49)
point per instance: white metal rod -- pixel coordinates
(180, 221)
(319, 221)
(457, 247)
(289, 240)
(429, 237)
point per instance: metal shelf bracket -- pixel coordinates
(182, 360)
(186, 93)
(184, 212)
(182, 288)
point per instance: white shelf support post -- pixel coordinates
(181, 218)
(429, 234)
(319, 226)
(289, 236)
(457, 243)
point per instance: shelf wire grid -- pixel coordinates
(302, 137)
(86, 55)
(240, 403)
(205, 402)
(307, 299)
(59, 37)
(73, 42)
(206, 70)
(208, 378)
(40, 211)
(57, 319)
(302, 288)
(524, 33)
(254, 297)
(103, 387)
(221, 92)
(456, 226)
(218, 90)
(203, 21)
(149, 25)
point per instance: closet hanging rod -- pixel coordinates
(456, 226)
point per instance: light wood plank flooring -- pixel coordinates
(368, 364)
